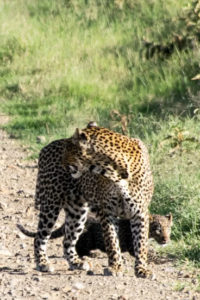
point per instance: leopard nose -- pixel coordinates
(165, 240)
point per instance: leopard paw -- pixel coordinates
(76, 265)
(116, 272)
(116, 267)
(142, 272)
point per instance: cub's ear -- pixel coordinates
(75, 137)
(79, 137)
(76, 134)
(169, 217)
(150, 218)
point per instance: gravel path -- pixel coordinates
(19, 279)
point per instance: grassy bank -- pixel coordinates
(64, 63)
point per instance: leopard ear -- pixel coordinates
(150, 218)
(76, 134)
(75, 137)
(91, 124)
(79, 137)
(169, 217)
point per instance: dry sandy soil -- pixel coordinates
(20, 280)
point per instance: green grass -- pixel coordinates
(64, 63)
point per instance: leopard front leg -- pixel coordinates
(140, 230)
(76, 217)
(47, 218)
(110, 230)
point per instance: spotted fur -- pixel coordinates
(99, 169)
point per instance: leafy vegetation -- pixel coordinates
(64, 63)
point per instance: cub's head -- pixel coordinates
(75, 156)
(160, 228)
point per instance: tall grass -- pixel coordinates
(64, 63)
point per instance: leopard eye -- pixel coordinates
(92, 167)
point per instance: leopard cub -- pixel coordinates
(92, 237)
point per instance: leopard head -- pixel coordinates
(160, 228)
(102, 152)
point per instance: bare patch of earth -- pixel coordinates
(18, 277)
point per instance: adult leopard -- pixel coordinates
(125, 162)
(67, 180)
(92, 236)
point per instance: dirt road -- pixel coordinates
(19, 279)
